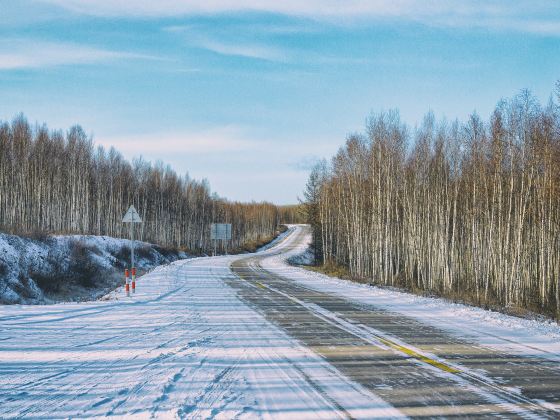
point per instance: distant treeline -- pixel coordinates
(55, 182)
(292, 214)
(469, 210)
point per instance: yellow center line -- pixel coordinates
(418, 356)
(389, 343)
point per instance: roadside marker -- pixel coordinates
(131, 216)
(126, 282)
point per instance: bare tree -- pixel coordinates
(60, 183)
(471, 211)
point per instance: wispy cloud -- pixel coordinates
(535, 26)
(209, 141)
(232, 47)
(290, 7)
(29, 54)
(256, 51)
(174, 7)
(533, 16)
(252, 28)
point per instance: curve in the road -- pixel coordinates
(418, 369)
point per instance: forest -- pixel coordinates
(53, 182)
(465, 210)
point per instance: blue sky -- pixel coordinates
(249, 93)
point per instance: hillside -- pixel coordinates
(70, 268)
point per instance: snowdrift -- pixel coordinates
(69, 268)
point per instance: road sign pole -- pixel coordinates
(132, 246)
(131, 216)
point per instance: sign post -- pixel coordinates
(131, 216)
(220, 232)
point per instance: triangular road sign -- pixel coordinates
(132, 216)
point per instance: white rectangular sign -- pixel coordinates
(220, 231)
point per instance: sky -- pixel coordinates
(250, 93)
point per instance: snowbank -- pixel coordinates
(275, 241)
(69, 268)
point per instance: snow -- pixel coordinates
(276, 241)
(23, 259)
(305, 258)
(184, 345)
(529, 337)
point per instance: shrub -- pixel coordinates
(167, 252)
(4, 269)
(143, 251)
(82, 266)
(122, 257)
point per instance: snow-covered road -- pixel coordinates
(183, 346)
(249, 336)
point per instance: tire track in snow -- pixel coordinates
(126, 362)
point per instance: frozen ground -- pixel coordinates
(187, 345)
(69, 268)
(538, 338)
(183, 346)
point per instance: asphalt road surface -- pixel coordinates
(421, 370)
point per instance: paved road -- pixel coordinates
(423, 371)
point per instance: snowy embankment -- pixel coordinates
(529, 337)
(69, 268)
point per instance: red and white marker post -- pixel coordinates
(126, 282)
(133, 280)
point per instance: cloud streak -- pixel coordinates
(216, 140)
(17, 54)
(533, 16)
(143, 8)
(254, 51)
(232, 47)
